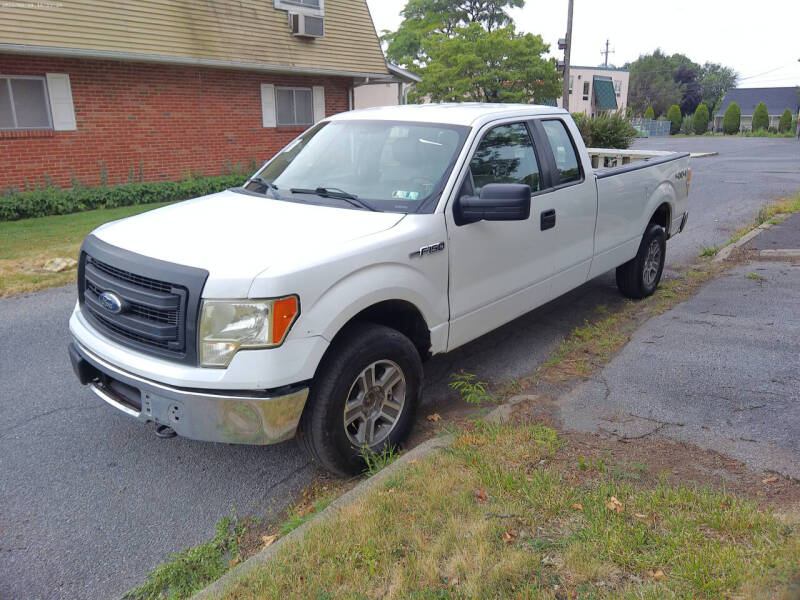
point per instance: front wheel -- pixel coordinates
(639, 277)
(363, 397)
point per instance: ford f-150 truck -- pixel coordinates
(305, 302)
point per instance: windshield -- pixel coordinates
(388, 165)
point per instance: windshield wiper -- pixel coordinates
(330, 192)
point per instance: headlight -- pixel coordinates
(227, 326)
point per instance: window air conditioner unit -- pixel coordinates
(306, 25)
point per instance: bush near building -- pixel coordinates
(675, 118)
(56, 201)
(605, 130)
(700, 120)
(732, 119)
(649, 113)
(785, 124)
(760, 117)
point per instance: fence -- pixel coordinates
(650, 127)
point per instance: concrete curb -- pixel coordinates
(498, 415)
(725, 252)
(779, 253)
(264, 556)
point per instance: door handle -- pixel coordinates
(548, 219)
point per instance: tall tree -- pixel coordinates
(691, 93)
(425, 18)
(473, 64)
(652, 83)
(715, 81)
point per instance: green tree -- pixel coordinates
(425, 18)
(649, 113)
(732, 119)
(715, 81)
(700, 121)
(675, 118)
(475, 65)
(652, 83)
(785, 124)
(760, 117)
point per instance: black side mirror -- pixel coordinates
(497, 202)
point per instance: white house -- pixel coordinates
(593, 90)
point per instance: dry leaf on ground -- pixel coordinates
(433, 418)
(268, 540)
(772, 479)
(658, 575)
(615, 505)
(480, 496)
(576, 506)
(510, 536)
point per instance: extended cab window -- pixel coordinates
(505, 155)
(563, 151)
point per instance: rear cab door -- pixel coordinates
(569, 203)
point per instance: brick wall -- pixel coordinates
(158, 120)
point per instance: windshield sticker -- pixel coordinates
(403, 195)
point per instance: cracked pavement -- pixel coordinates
(91, 501)
(721, 371)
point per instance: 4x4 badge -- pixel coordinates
(426, 250)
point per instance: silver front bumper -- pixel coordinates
(234, 418)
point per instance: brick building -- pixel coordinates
(95, 91)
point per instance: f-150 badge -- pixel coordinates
(426, 250)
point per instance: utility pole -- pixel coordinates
(607, 52)
(567, 47)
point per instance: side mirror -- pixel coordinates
(497, 202)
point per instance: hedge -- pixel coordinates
(760, 117)
(56, 201)
(785, 124)
(675, 118)
(700, 120)
(732, 119)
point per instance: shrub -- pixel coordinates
(785, 124)
(55, 201)
(700, 120)
(760, 117)
(675, 118)
(687, 125)
(732, 119)
(605, 130)
(649, 113)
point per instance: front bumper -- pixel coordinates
(207, 415)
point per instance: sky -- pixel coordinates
(765, 54)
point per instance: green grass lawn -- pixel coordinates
(25, 245)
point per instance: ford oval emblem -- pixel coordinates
(111, 302)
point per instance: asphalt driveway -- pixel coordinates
(90, 500)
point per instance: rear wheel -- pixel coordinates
(364, 396)
(640, 276)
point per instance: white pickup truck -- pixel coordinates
(305, 302)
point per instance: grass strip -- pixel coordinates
(25, 245)
(497, 516)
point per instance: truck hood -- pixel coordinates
(236, 236)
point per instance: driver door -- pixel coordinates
(498, 270)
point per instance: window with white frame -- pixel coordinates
(294, 106)
(585, 90)
(24, 103)
(310, 7)
(618, 87)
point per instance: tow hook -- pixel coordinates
(165, 432)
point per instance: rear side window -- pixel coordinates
(563, 151)
(505, 155)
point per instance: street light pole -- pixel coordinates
(565, 89)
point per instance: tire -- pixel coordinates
(640, 276)
(354, 367)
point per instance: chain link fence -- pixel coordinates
(651, 127)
